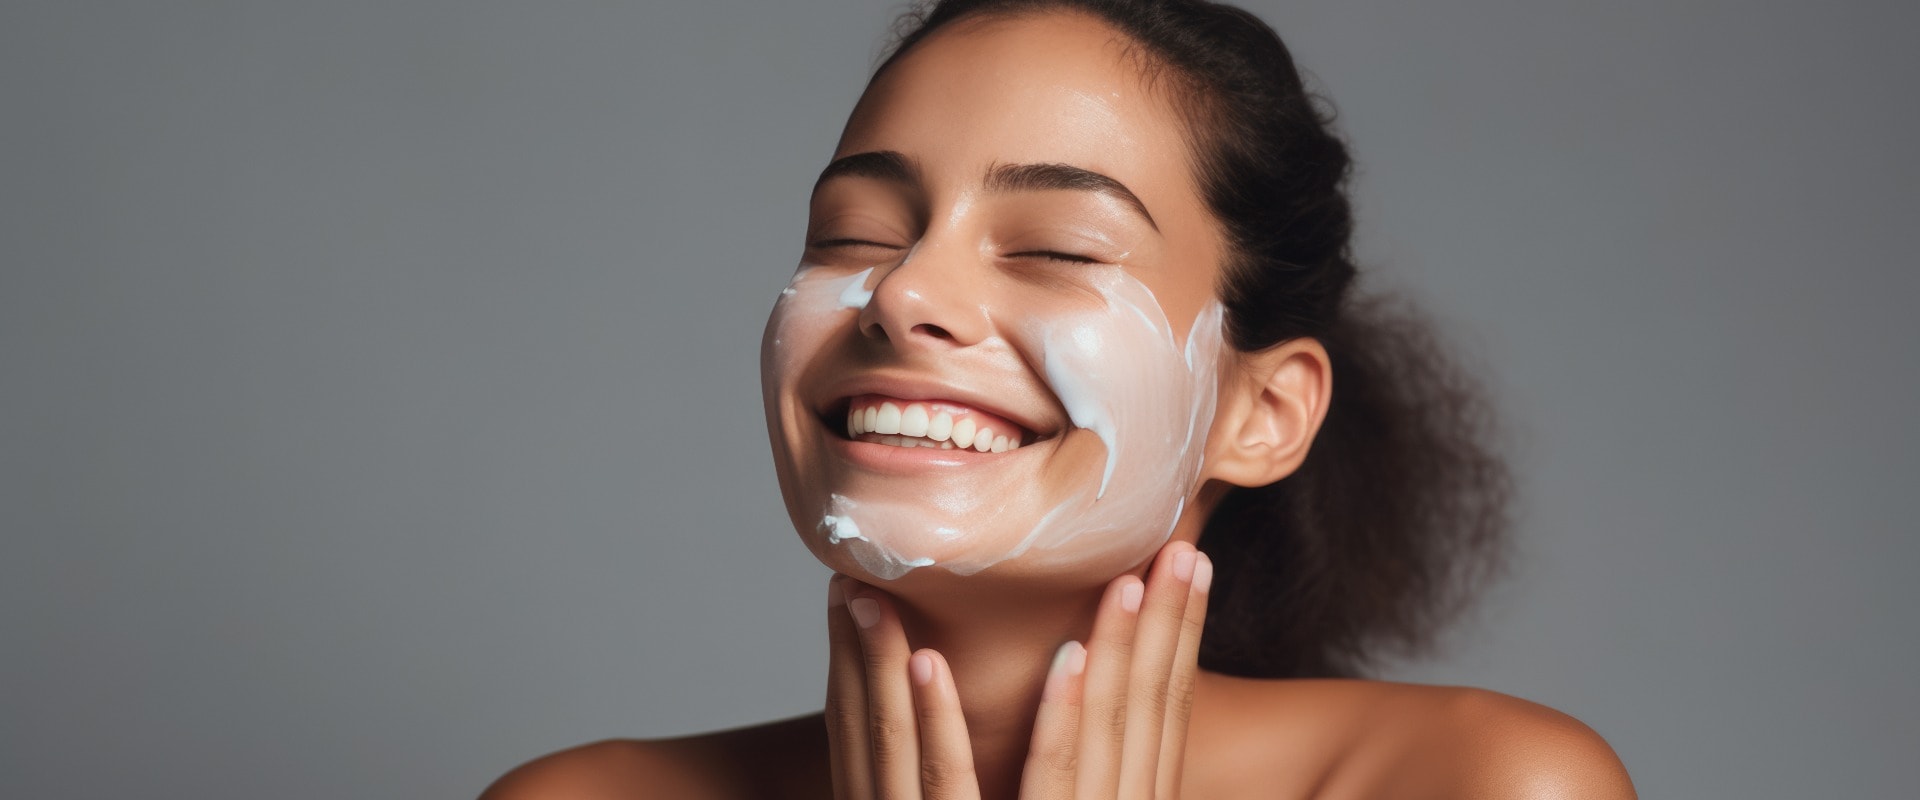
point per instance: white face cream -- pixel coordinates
(1116, 368)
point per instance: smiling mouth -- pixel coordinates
(938, 424)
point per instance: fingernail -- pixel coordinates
(1059, 658)
(1183, 565)
(1130, 595)
(921, 668)
(1068, 661)
(1203, 575)
(865, 611)
(1076, 658)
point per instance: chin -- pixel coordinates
(922, 561)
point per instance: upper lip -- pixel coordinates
(911, 388)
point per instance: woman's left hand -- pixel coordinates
(1112, 721)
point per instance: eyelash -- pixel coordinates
(1055, 255)
(1050, 255)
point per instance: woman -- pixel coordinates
(1075, 299)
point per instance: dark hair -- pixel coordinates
(1400, 508)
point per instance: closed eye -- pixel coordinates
(1055, 255)
(852, 243)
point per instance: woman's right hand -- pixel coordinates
(1112, 719)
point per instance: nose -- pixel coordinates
(933, 298)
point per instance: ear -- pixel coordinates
(1271, 406)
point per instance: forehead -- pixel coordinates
(1043, 88)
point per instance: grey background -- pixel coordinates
(380, 400)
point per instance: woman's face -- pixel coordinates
(1002, 349)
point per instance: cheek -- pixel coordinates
(1149, 399)
(810, 312)
(809, 309)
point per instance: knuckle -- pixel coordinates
(1180, 700)
(1192, 625)
(1061, 758)
(846, 722)
(1150, 699)
(931, 715)
(888, 739)
(1180, 687)
(940, 777)
(1171, 606)
(876, 663)
(1113, 718)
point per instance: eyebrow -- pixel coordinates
(894, 167)
(1065, 177)
(884, 165)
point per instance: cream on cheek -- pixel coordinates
(808, 309)
(1120, 373)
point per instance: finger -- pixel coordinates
(1156, 640)
(1103, 712)
(846, 715)
(946, 753)
(1053, 756)
(1186, 667)
(890, 723)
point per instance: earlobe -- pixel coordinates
(1271, 412)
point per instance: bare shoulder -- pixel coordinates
(1505, 747)
(606, 770)
(787, 760)
(1358, 738)
(1529, 751)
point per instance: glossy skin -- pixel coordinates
(962, 268)
(945, 674)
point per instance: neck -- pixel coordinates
(1000, 649)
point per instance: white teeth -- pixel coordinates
(914, 421)
(918, 425)
(888, 420)
(962, 433)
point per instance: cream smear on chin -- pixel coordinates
(1119, 372)
(841, 528)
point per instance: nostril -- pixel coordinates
(934, 331)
